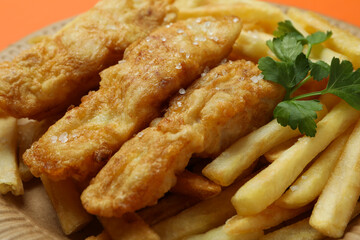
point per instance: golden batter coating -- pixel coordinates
(59, 70)
(227, 103)
(131, 94)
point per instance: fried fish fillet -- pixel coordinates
(227, 103)
(131, 94)
(59, 70)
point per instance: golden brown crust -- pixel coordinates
(227, 103)
(193, 185)
(130, 96)
(59, 70)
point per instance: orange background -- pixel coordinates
(19, 18)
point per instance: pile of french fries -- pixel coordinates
(271, 184)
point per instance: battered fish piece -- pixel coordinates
(61, 69)
(229, 102)
(131, 94)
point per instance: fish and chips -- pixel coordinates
(132, 93)
(174, 136)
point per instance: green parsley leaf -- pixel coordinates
(344, 82)
(298, 114)
(286, 27)
(287, 74)
(286, 49)
(280, 72)
(302, 68)
(294, 69)
(318, 37)
(319, 70)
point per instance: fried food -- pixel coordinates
(59, 70)
(131, 94)
(270, 217)
(260, 15)
(219, 233)
(199, 218)
(337, 201)
(278, 176)
(191, 184)
(166, 207)
(227, 103)
(10, 180)
(311, 183)
(232, 162)
(128, 227)
(65, 199)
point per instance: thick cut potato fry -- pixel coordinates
(320, 52)
(337, 201)
(65, 198)
(25, 139)
(263, 14)
(129, 227)
(300, 230)
(276, 151)
(28, 132)
(181, 4)
(10, 180)
(102, 236)
(167, 207)
(199, 218)
(270, 217)
(310, 184)
(341, 41)
(267, 186)
(251, 45)
(329, 100)
(219, 234)
(239, 156)
(194, 185)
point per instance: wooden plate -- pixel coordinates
(32, 217)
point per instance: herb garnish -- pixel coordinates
(294, 69)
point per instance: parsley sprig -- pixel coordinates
(294, 69)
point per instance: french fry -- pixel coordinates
(181, 4)
(10, 180)
(195, 185)
(129, 227)
(65, 198)
(25, 139)
(310, 184)
(320, 52)
(239, 156)
(251, 45)
(267, 186)
(329, 100)
(270, 217)
(263, 14)
(341, 41)
(166, 207)
(300, 230)
(102, 236)
(199, 218)
(28, 132)
(219, 233)
(337, 201)
(276, 151)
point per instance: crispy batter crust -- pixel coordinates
(59, 70)
(131, 94)
(226, 104)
